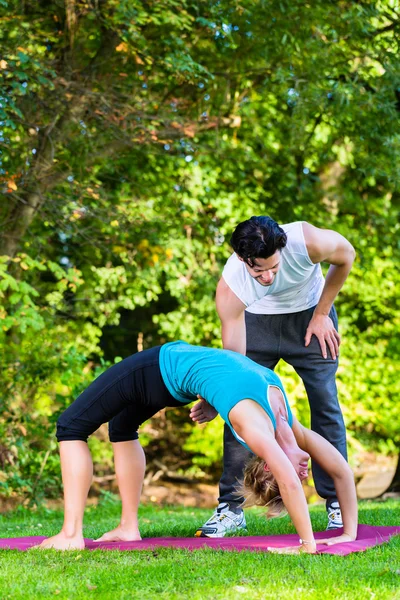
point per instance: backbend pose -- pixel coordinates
(249, 397)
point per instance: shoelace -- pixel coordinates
(217, 513)
(214, 517)
(219, 516)
(223, 516)
(335, 514)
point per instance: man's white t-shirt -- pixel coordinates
(297, 285)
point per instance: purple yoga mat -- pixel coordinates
(367, 537)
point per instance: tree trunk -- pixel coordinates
(394, 487)
(43, 175)
(21, 217)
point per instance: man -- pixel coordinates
(273, 303)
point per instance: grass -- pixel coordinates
(202, 574)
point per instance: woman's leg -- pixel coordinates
(77, 471)
(130, 466)
(105, 398)
(128, 454)
(127, 394)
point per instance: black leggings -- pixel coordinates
(126, 395)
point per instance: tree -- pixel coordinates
(136, 135)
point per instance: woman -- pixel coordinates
(250, 398)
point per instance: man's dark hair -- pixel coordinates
(258, 237)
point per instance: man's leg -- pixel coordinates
(326, 418)
(228, 516)
(319, 378)
(77, 472)
(235, 458)
(261, 344)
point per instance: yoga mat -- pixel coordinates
(367, 537)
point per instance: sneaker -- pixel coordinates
(334, 515)
(223, 520)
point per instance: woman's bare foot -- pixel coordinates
(120, 534)
(63, 542)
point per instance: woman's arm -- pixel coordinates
(334, 465)
(254, 426)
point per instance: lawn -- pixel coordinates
(180, 574)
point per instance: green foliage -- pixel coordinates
(134, 137)
(205, 443)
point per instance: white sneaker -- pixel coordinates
(334, 515)
(221, 522)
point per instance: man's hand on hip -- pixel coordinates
(324, 330)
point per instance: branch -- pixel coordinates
(390, 27)
(71, 20)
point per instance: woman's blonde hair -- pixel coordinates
(260, 488)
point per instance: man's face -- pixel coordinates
(264, 269)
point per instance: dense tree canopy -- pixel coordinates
(134, 137)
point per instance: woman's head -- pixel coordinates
(260, 488)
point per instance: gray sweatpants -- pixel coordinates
(270, 338)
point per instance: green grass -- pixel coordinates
(180, 574)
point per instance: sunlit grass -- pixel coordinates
(177, 574)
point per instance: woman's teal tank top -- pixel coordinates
(221, 377)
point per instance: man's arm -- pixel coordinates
(231, 313)
(324, 245)
(202, 412)
(333, 463)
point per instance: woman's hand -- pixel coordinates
(312, 548)
(339, 539)
(304, 548)
(202, 412)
